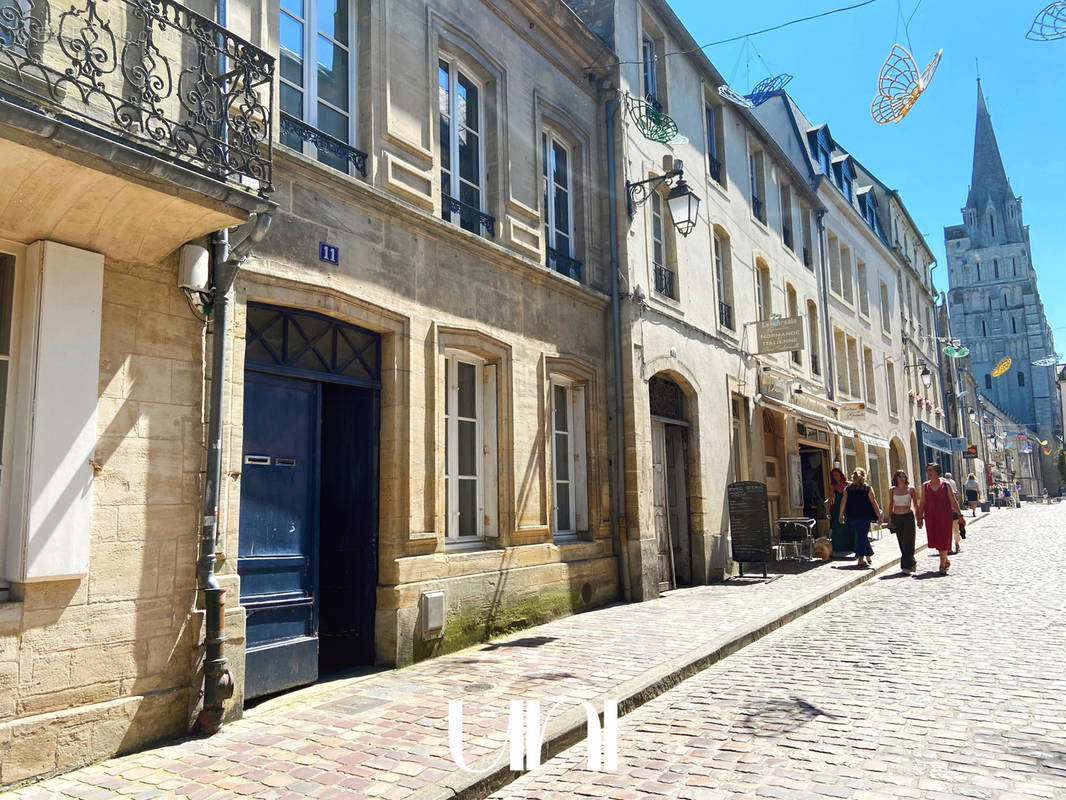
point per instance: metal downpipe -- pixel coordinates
(621, 524)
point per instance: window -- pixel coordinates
(805, 227)
(984, 328)
(740, 441)
(978, 271)
(886, 309)
(786, 217)
(470, 447)
(723, 278)
(793, 311)
(843, 174)
(845, 273)
(462, 176)
(840, 357)
(558, 205)
(812, 336)
(893, 407)
(7, 376)
(995, 267)
(1013, 267)
(1013, 325)
(664, 275)
(868, 365)
(651, 78)
(569, 475)
(763, 301)
(853, 368)
(715, 132)
(755, 167)
(1021, 379)
(992, 224)
(864, 296)
(988, 381)
(314, 72)
(834, 264)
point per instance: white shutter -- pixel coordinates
(52, 496)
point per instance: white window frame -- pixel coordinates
(886, 309)
(457, 69)
(577, 455)
(309, 90)
(648, 68)
(451, 425)
(723, 278)
(17, 254)
(549, 140)
(893, 403)
(862, 284)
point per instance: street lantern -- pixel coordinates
(684, 207)
(683, 203)
(973, 415)
(927, 377)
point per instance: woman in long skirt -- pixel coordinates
(860, 508)
(903, 502)
(937, 508)
(843, 536)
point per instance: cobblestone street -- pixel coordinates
(922, 687)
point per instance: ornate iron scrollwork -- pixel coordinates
(469, 214)
(151, 71)
(565, 265)
(324, 142)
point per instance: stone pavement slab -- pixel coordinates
(385, 735)
(923, 687)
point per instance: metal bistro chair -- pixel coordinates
(798, 532)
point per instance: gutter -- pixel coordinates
(621, 525)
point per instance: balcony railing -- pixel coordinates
(150, 72)
(725, 315)
(325, 144)
(664, 281)
(471, 219)
(757, 209)
(565, 265)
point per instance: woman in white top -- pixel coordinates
(903, 503)
(973, 489)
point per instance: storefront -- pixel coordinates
(934, 447)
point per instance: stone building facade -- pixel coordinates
(994, 300)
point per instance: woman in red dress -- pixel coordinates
(938, 508)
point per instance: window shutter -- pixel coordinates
(57, 404)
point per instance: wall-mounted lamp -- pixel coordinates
(972, 414)
(683, 203)
(925, 374)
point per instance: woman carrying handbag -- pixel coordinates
(903, 505)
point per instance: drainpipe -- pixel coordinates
(621, 525)
(827, 325)
(218, 683)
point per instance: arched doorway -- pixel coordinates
(670, 497)
(897, 458)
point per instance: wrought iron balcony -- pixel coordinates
(471, 218)
(151, 73)
(565, 265)
(725, 315)
(324, 143)
(664, 281)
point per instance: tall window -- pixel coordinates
(893, 408)
(763, 301)
(723, 278)
(793, 311)
(651, 81)
(988, 381)
(864, 294)
(740, 441)
(314, 71)
(868, 366)
(1013, 325)
(558, 201)
(570, 494)
(7, 298)
(1021, 379)
(464, 472)
(840, 359)
(984, 328)
(755, 167)
(786, 217)
(995, 267)
(834, 264)
(853, 368)
(886, 309)
(845, 273)
(714, 129)
(805, 227)
(812, 336)
(461, 150)
(664, 275)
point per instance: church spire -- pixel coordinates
(989, 181)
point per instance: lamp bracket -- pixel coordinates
(637, 192)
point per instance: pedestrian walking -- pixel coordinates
(903, 505)
(859, 508)
(1043, 495)
(937, 508)
(973, 489)
(840, 532)
(1007, 498)
(950, 481)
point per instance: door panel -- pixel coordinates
(276, 553)
(660, 504)
(677, 495)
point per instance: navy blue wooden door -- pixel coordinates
(278, 531)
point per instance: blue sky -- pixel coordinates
(928, 156)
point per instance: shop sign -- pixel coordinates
(852, 411)
(779, 335)
(958, 444)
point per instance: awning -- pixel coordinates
(834, 425)
(871, 440)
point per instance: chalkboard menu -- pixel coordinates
(749, 521)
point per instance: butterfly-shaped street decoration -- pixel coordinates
(1001, 366)
(900, 85)
(734, 96)
(1048, 361)
(1049, 24)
